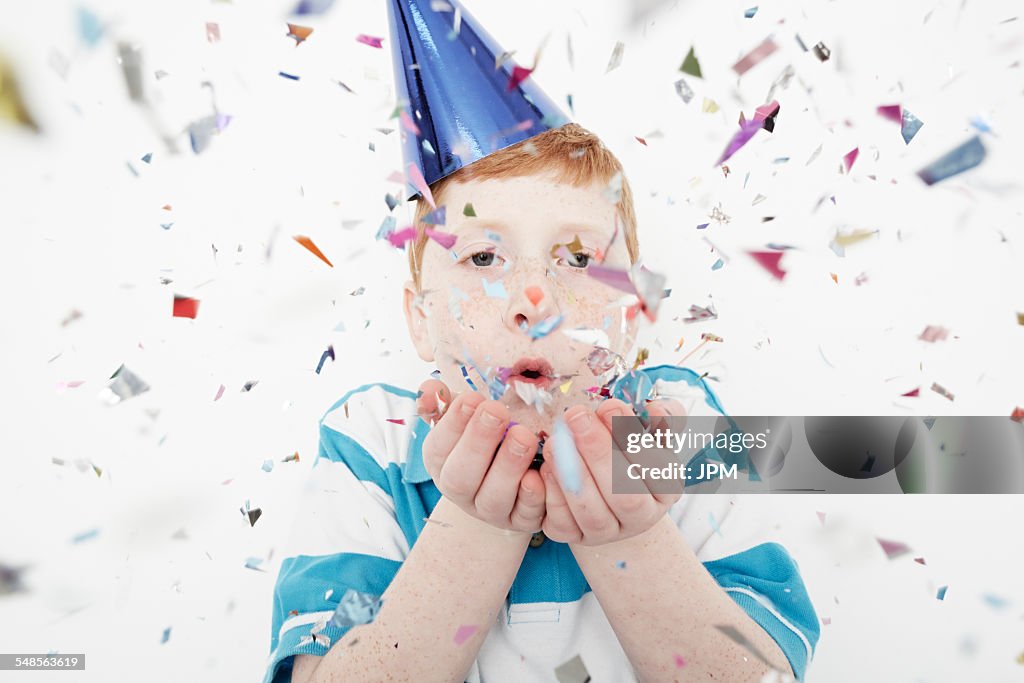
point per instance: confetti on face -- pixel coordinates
(445, 239)
(494, 289)
(963, 158)
(436, 217)
(468, 210)
(544, 327)
(534, 294)
(313, 249)
(690, 65)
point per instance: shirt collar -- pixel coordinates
(414, 472)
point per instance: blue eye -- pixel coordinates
(579, 260)
(482, 259)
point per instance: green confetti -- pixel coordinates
(467, 210)
(690, 65)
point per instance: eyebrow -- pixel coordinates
(567, 229)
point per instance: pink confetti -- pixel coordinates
(893, 112)
(417, 180)
(369, 40)
(408, 123)
(680, 662)
(754, 56)
(825, 621)
(464, 633)
(821, 516)
(400, 237)
(893, 549)
(933, 333)
(394, 420)
(740, 138)
(220, 392)
(445, 239)
(63, 386)
(913, 393)
(396, 177)
(919, 560)
(850, 157)
(769, 260)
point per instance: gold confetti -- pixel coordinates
(565, 387)
(710, 106)
(12, 106)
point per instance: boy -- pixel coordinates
(432, 550)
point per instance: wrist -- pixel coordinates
(447, 512)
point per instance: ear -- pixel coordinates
(416, 319)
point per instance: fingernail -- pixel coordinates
(525, 488)
(517, 449)
(581, 421)
(490, 420)
(468, 409)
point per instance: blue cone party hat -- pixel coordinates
(460, 100)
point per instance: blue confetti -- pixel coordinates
(287, 75)
(312, 6)
(85, 536)
(941, 594)
(166, 635)
(495, 289)
(909, 126)
(355, 609)
(963, 158)
(436, 217)
(268, 465)
(148, 157)
(567, 458)
(89, 27)
(544, 327)
(468, 380)
(717, 264)
(702, 226)
(329, 353)
(749, 14)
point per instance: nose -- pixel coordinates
(531, 300)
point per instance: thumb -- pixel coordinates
(433, 399)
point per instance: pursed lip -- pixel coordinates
(543, 370)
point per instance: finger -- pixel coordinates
(667, 492)
(432, 400)
(467, 464)
(559, 524)
(632, 511)
(443, 436)
(588, 506)
(497, 494)
(528, 513)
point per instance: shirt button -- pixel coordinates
(537, 540)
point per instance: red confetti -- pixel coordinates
(220, 392)
(397, 421)
(534, 294)
(519, 74)
(1017, 415)
(893, 112)
(641, 140)
(914, 393)
(184, 307)
(850, 157)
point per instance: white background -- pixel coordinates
(82, 233)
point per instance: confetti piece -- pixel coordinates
(821, 517)
(212, 32)
(963, 158)
(445, 239)
(464, 633)
(572, 671)
(1020, 318)
(749, 14)
(123, 384)
(933, 333)
(714, 524)
(369, 40)
(613, 277)
(395, 420)
(740, 138)
(822, 52)
(354, 609)
(519, 74)
(941, 594)
(564, 388)
(913, 393)
(312, 6)
(252, 515)
(494, 289)
(532, 395)
(184, 307)
(166, 635)
(690, 65)
(698, 313)
(436, 217)
(407, 122)
(769, 260)
(1017, 415)
(329, 353)
(284, 74)
(399, 238)
(996, 602)
(709, 106)
(85, 536)
(417, 181)
(702, 226)
(268, 465)
(717, 264)
(249, 385)
(90, 29)
(919, 560)
(589, 335)
(544, 327)
(298, 33)
(893, 549)
(684, 90)
(468, 210)
(766, 48)
(909, 125)
(678, 659)
(308, 244)
(534, 294)
(941, 390)
(616, 57)
(850, 157)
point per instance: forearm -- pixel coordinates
(664, 603)
(454, 576)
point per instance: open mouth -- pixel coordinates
(532, 371)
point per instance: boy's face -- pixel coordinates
(456, 322)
